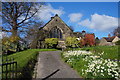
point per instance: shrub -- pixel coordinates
(51, 42)
(10, 44)
(118, 42)
(72, 42)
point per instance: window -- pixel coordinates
(55, 33)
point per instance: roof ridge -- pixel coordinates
(60, 19)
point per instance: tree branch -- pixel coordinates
(6, 30)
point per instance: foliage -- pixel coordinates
(89, 39)
(34, 34)
(72, 42)
(97, 41)
(116, 31)
(14, 39)
(118, 42)
(82, 41)
(51, 42)
(10, 43)
(91, 66)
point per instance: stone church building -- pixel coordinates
(56, 28)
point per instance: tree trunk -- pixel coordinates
(15, 28)
(14, 32)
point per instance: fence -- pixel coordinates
(9, 69)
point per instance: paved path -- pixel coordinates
(50, 65)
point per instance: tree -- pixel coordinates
(97, 41)
(17, 15)
(90, 39)
(116, 31)
(9, 44)
(34, 34)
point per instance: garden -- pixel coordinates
(96, 63)
(24, 35)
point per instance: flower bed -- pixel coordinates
(91, 66)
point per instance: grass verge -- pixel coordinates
(26, 60)
(109, 52)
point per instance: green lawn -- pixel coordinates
(110, 52)
(24, 57)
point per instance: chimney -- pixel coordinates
(52, 18)
(56, 15)
(83, 33)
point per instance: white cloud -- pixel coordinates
(100, 22)
(3, 34)
(47, 11)
(75, 17)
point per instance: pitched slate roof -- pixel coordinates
(109, 39)
(77, 34)
(119, 36)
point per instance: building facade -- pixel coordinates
(109, 40)
(57, 28)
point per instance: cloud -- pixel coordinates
(3, 34)
(75, 17)
(47, 11)
(100, 22)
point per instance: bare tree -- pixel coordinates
(35, 34)
(18, 15)
(116, 31)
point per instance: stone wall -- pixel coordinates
(57, 22)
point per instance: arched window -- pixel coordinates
(55, 33)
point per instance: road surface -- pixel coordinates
(50, 65)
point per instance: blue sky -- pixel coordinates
(100, 18)
(94, 17)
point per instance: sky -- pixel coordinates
(100, 18)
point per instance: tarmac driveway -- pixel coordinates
(50, 65)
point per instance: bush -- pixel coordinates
(118, 42)
(72, 42)
(10, 44)
(51, 42)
